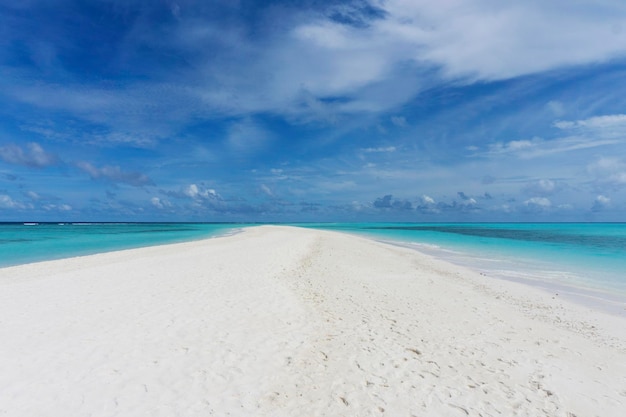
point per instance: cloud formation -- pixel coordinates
(200, 192)
(538, 203)
(607, 125)
(160, 203)
(542, 188)
(323, 61)
(6, 202)
(115, 174)
(32, 156)
(331, 103)
(388, 202)
(608, 172)
(600, 203)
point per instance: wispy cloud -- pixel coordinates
(609, 173)
(380, 149)
(161, 203)
(6, 202)
(543, 187)
(266, 190)
(200, 192)
(538, 147)
(538, 203)
(605, 128)
(489, 41)
(247, 136)
(115, 174)
(601, 202)
(33, 156)
(57, 207)
(388, 202)
(323, 103)
(598, 123)
(330, 57)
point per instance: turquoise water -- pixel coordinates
(20, 243)
(558, 256)
(567, 256)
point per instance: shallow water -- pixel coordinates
(579, 258)
(24, 243)
(582, 258)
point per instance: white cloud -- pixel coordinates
(609, 172)
(538, 147)
(556, 108)
(601, 202)
(379, 64)
(603, 199)
(512, 146)
(34, 155)
(115, 174)
(191, 191)
(309, 60)
(618, 178)
(598, 130)
(267, 190)
(156, 202)
(605, 165)
(398, 121)
(33, 195)
(605, 122)
(538, 202)
(248, 136)
(357, 206)
(542, 187)
(57, 207)
(160, 203)
(496, 40)
(6, 202)
(427, 200)
(380, 149)
(200, 192)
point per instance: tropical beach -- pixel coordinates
(285, 321)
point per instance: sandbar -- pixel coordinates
(284, 321)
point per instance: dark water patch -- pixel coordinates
(543, 236)
(132, 232)
(17, 240)
(159, 230)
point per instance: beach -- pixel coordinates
(284, 321)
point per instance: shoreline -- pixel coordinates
(596, 298)
(94, 246)
(592, 297)
(284, 321)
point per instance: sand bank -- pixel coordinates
(280, 321)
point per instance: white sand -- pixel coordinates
(280, 321)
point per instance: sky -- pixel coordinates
(255, 111)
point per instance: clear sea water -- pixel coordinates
(583, 260)
(580, 259)
(25, 243)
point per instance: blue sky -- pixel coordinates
(394, 110)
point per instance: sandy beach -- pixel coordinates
(281, 321)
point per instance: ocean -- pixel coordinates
(583, 260)
(586, 261)
(22, 243)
